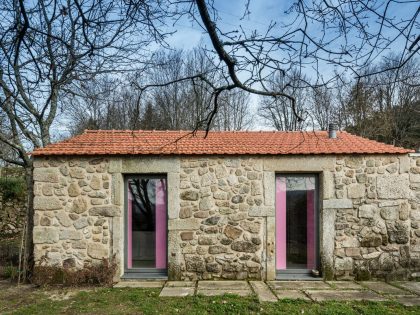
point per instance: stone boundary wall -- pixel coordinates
(12, 211)
(221, 213)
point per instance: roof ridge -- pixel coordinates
(201, 131)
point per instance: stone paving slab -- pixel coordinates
(383, 288)
(178, 284)
(291, 294)
(176, 291)
(408, 300)
(212, 292)
(409, 285)
(262, 291)
(139, 284)
(340, 295)
(223, 285)
(296, 285)
(345, 285)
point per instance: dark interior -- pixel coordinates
(296, 214)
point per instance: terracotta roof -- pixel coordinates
(112, 142)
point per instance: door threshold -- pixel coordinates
(297, 276)
(143, 276)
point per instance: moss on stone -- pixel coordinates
(362, 274)
(327, 273)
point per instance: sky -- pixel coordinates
(188, 34)
(261, 12)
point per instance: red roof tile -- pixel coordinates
(141, 142)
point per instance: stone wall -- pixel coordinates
(221, 218)
(223, 199)
(378, 233)
(73, 211)
(12, 216)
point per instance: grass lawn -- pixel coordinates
(146, 301)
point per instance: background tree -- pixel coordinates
(48, 50)
(323, 39)
(323, 106)
(108, 103)
(279, 112)
(234, 112)
(103, 103)
(386, 105)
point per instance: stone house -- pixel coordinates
(232, 205)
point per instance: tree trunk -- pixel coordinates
(28, 257)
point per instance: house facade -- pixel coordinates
(229, 205)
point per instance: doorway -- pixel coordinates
(296, 226)
(146, 226)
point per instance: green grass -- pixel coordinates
(146, 301)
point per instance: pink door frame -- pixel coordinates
(281, 225)
(129, 229)
(160, 224)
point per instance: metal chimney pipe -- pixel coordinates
(332, 131)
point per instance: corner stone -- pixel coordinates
(46, 203)
(45, 175)
(45, 235)
(97, 251)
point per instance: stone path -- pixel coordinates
(407, 293)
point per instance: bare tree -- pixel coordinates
(385, 106)
(345, 37)
(323, 106)
(279, 112)
(234, 112)
(103, 103)
(109, 104)
(182, 95)
(48, 49)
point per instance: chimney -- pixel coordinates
(332, 131)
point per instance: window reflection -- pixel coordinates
(146, 223)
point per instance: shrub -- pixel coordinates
(101, 274)
(9, 250)
(11, 272)
(12, 187)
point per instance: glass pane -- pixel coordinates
(296, 229)
(296, 222)
(146, 230)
